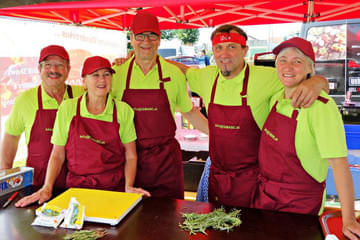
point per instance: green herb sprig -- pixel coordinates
(217, 219)
(86, 234)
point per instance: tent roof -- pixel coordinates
(174, 14)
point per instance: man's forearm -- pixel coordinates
(181, 66)
(324, 82)
(8, 150)
(197, 120)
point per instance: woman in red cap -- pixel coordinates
(97, 135)
(297, 145)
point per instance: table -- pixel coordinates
(201, 143)
(158, 219)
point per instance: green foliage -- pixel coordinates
(168, 34)
(86, 234)
(217, 219)
(188, 35)
(129, 47)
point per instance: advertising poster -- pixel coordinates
(353, 56)
(21, 42)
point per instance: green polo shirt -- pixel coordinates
(23, 112)
(263, 84)
(67, 111)
(320, 134)
(175, 88)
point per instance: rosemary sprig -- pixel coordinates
(217, 219)
(86, 234)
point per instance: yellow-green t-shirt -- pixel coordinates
(23, 112)
(320, 134)
(67, 111)
(262, 85)
(175, 88)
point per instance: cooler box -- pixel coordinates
(15, 178)
(355, 171)
(352, 136)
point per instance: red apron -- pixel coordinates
(40, 147)
(234, 142)
(284, 185)
(95, 154)
(159, 170)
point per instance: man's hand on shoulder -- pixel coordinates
(119, 61)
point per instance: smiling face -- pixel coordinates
(54, 70)
(145, 50)
(98, 83)
(229, 57)
(292, 67)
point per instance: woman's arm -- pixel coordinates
(345, 188)
(130, 169)
(56, 161)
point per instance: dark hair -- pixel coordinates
(227, 28)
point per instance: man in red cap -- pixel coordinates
(154, 88)
(34, 113)
(237, 97)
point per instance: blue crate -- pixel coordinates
(330, 184)
(352, 136)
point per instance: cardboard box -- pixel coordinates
(15, 179)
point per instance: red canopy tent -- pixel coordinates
(174, 14)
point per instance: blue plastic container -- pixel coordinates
(330, 184)
(352, 136)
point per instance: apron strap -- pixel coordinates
(214, 89)
(69, 91)
(78, 107)
(294, 114)
(245, 85)
(39, 98)
(322, 99)
(243, 92)
(114, 112)
(162, 80)
(128, 77)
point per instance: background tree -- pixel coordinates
(168, 34)
(188, 36)
(129, 47)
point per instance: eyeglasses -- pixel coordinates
(151, 36)
(49, 65)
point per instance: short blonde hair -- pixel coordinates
(309, 60)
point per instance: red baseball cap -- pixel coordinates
(95, 63)
(53, 50)
(145, 22)
(303, 45)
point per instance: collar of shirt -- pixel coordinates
(284, 104)
(237, 79)
(47, 100)
(108, 108)
(137, 68)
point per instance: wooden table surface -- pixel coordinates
(158, 219)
